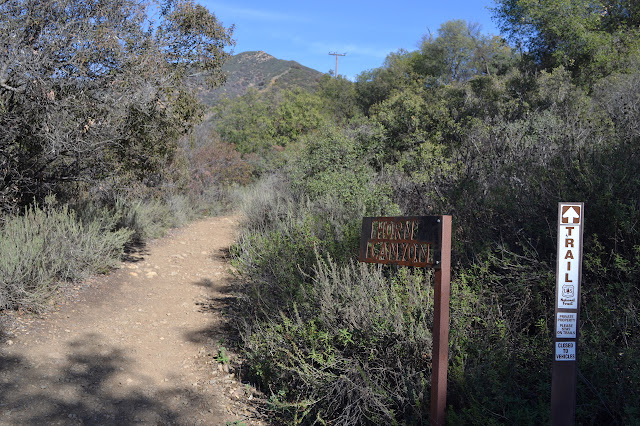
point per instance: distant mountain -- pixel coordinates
(261, 71)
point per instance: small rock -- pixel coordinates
(9, 342)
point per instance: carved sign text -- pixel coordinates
(405, 241)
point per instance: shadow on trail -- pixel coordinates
(92, 384)
(223, 254)
(206, 282)
(223, 303)
(135, 252)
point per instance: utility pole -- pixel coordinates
(336, 55)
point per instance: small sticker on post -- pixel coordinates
(565, 351)
(566, 325)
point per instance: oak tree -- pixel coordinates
(94, 88)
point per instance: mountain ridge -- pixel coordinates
(262, 71)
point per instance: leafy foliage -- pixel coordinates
(89, 90)
(591, 38)
(465, 126)
(460, 52)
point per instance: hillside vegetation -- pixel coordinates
(259, 71)
(493, 131)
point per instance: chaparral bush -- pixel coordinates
(47, 246)
(358, 354)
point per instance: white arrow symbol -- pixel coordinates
(571, 215)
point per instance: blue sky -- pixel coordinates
(306, 31)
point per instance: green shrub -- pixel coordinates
(610, 334)
(47, 246)
(284, 230)
(360, 355)
(501, 339)
(265, 203)
(151, 218)
(147, 219)
(277, 262)
(333, 163)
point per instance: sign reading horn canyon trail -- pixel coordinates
(407, 241)
(419, 241)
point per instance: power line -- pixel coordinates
(336, 55)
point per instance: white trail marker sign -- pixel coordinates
(567, 313)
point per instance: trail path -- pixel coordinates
(137, 346)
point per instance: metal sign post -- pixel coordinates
(442, 293)
(567, 313)
(420, 241)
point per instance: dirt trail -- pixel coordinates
(137, 346)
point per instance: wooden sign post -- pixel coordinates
(567, 313)
(420, 241)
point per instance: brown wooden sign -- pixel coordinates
(420, 241)
(408, 241)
